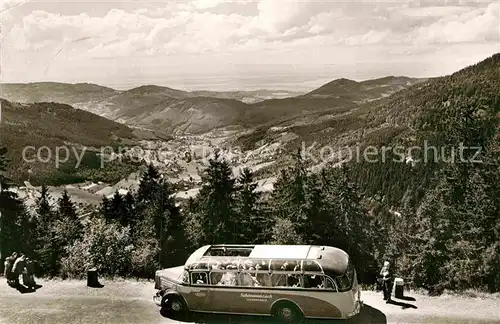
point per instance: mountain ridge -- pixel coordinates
(138, 106)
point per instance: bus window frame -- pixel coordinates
(223, 272)
(193, 283)
(325, 279)
(280, 273)
(183, 276)
(272, 264)
(350, 273)
(334, 284)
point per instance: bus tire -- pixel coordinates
(287, 312)
(174, 305)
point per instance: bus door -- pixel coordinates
(199, 294)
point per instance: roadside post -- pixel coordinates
(398, 287)
(92, 279)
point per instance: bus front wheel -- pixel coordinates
(174, 305)
(287, 312)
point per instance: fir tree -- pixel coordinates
(216, 203)
(12, 214)
(67, 230)
(148, 183)
(45, 233)
(250, 225)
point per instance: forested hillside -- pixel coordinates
(448, 233)
(52, 125)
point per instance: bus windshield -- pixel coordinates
(345, 281)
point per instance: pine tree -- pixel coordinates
(250, 224)
(12, 214)
(104, 209)
(45, 233)
(67, 230)
(216, 203)
(349, 227)
(284, 232)
(148, 183)
(43, 209)
(288, 199)
(130, 210)
(172, 235)
(117, 209)
(167, 220)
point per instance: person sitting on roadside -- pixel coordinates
(18, 268)
(8, 265)
(30, 274)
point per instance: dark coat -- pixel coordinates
(30, 268)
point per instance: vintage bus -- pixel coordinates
(290, 282)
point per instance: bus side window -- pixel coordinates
(199, 278)
(286, 265)
(330, 285)
(248, 280)
(314, 281)
(228, 279)
(293, 280)
(215, 277)
(262, 265)
(264, 279)
(278, 279)
(185, 277)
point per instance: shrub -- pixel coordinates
(104, 246)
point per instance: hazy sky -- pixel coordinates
(231, 44)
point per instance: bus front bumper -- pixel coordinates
(157, 298)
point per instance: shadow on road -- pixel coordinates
(403, 305)
(368, 315)
(25, 290)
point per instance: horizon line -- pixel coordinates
(117, 86)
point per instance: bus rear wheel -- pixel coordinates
(288, 313)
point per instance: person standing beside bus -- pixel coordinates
(386, 275)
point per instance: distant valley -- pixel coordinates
(254, 129)
(178, 131)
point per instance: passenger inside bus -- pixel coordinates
(228, 279)
(293, 281)
(263, 279)
(248, 281)
(313, 281)
(200, 278)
